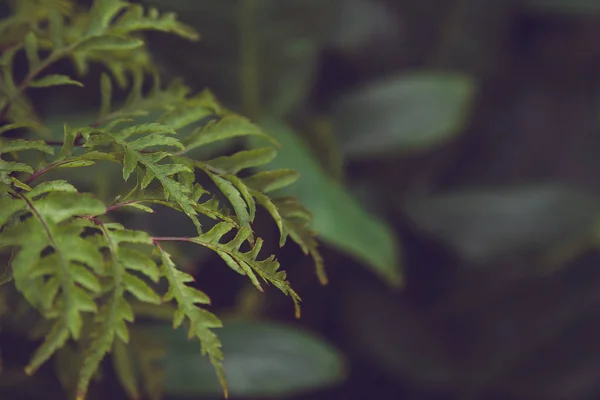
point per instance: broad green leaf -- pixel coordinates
(485, 224)
(261, 360)
(409, 112)
(339, 218)
(54, 80)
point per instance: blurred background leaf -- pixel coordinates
(262, 360)
(401, 114)
(338, 217)
(482, 225)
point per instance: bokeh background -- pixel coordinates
(449, 150)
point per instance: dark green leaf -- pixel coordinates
(261, 359)
(409, 112)
(483, 225)
(339, 218)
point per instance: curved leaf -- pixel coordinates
(339, 218)
(404, 113)
(261, 360)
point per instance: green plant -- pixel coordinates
(86, 274)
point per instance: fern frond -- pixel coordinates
(230, 126)
(134, 155)
(268, 181)
(113, 316)
(295, 220)
(53, 266)
(242, 160)
(200, 321)
(134, 20)
(86, 277)
(247, 263)
(14, 146)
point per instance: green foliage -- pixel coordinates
(285, 361)
(412, 112)
(264, 63)
(338, 217)
(83, 272)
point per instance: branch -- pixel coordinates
(156, 239)
(47, 168)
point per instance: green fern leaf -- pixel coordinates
(154, 134)
(247, 263)
(269, 181)
(227, 128)
(54, 80)
(243, 160)
(114, 315)
(10, 127)
(235, 198)
(102, 13)
(14, 146)
(201, 321)
(134, 20)
(209, 208)
(107, 42)
(296, 222)
(272, 209)
(31, 50)
(53, 282)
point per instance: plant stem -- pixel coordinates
(47, 168)
(170, 239)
